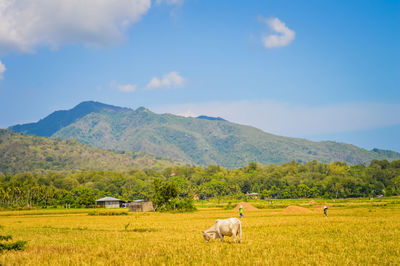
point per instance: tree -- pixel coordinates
(163, 192)
(396, 183)
(303, 191)
(84, 196)
(166, 197)
(389, 191)
(314, 192)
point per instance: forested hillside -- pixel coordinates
(21, 153)
(290, 180)
(201, 141)
(59, 119)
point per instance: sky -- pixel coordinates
(321, 70)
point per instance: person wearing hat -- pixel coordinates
(325, 210)
(241, 211)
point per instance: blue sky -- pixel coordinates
(332, 71)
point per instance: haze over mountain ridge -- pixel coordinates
(201, 141)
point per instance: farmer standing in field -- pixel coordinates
(241, 211)
(325, 211)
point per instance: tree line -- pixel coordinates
(289, 180)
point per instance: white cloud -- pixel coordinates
(2, 69)
(170, 80)
(295, 120)
(127, 88)
(285, 36)
(27, 24)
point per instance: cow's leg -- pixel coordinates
(234, 232)
(220, 235)
(240, 232)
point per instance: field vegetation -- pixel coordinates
(356, 232)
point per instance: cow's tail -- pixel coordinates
(240, 231)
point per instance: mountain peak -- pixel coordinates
(142, 109)
(88, 103)
(96, 106)
(59, 119)
(210, 118)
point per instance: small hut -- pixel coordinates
(141, 206)
(253, 195)
(110, 202)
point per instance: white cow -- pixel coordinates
(226, 227)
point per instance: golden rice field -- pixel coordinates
(354, 233)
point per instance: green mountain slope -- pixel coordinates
(59, 119)
(20, 153)
(204, 141)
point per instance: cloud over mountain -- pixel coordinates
(170, 80)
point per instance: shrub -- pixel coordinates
(19, 245)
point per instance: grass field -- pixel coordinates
(356, 232)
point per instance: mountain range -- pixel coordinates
(202, 141)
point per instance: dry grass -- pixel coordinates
(246, 206)
(363, 235)
(296, 210)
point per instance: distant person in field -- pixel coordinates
(241, 211)
(325, 211)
